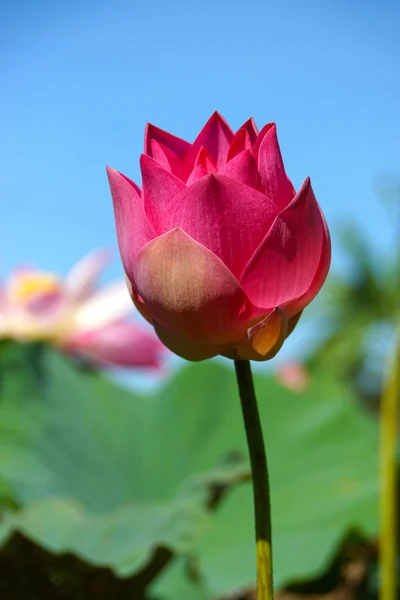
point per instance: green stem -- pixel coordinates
(258, 460)
(390, 403)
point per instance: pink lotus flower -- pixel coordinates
(221, 253)
(76, 317)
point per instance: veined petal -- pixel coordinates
(177, 145)
(322, 272)
(111, 303)
(285, 264)
(243, 168)
(190, 291)
(265, 339)
(166, 158)
(212, 212)
(216, 137)
(133, 227)
(186, 347)
(138, 302)
(133, 184)
(159, 188)
(80, 281)
(275, 182)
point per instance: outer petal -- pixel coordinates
(264, 340)
(177, 145)
(109, 304)
(189, 290)
(276, 184)
(139, 303)
(243, 168)
(159, 188)
(80, 281)
(285, 264)
(216, 137)
(226, 216)
(320, 276)
(186, 347)
(133, 227)
(166, 158)
(121, 343)
(133, 184)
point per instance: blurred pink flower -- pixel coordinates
(293, 376)
(76, 316)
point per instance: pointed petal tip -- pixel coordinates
(174, 143)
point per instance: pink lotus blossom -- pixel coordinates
(221, 253)
(76, 316)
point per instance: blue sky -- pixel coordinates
(80, 80)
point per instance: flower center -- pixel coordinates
(29, 286)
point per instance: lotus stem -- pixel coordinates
(390, 403)
(261, 493)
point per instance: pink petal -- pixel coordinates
(260, 137)
(133, 184)
(80, 282)
(276, 184)
(121, 343)
(196, 174)
(251, 128)
(159, 188)
(216, 137)
(133, 227)
(190, 291)
(108, 304)
(285, 265)
(46, 305)
(243, 168)
(320, 276)
(240, 142)
(186, 347)
(203, 159)
(224, 215)
(177, 145)
(166, 158)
